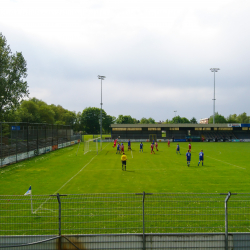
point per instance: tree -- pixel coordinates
(147, 121)
(232, 118)
(107, 121)
(218, 118)
(178, 119)
(90, 120)
(243, 118)
(29, 112)
(126, 119)
(13, 71)
(193, 120)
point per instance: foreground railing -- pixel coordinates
(141, 214)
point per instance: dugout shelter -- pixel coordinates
(182, 131)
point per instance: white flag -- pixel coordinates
(28, 192)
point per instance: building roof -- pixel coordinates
(176, 125)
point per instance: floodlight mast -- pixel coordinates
(102, 78)
(175, 115)
(214, 70)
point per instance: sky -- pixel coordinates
(156, 54)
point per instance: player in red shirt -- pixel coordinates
(168, 142)
(152, 148)
(122, 148)
(189, 147)
(156, 145)
(115, 143)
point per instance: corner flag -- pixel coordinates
(28, 192)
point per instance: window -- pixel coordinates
(134, 129)
(206, 128)
(119, 129)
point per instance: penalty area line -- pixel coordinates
(68, 181)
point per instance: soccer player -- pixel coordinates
(189, 147)
(129, 144)
(153, 142)
(178, 149)
(201, 157)
(118, 148)
(122, 148)
(188, 156)
(123, 160)
(152, 148)
(115, 143)
(156, 145)
(168, 143)
(141, 147)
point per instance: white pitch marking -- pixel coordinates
(68, 181)
(226, 162)
(131, 153)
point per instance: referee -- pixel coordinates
(123, 160)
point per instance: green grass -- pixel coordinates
(225, 169)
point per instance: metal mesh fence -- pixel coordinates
(123, 213)
(181, 213)
(19, 141)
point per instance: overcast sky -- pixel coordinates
(156, 55)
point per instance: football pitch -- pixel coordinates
(226, 168)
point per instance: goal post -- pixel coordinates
(92, 145)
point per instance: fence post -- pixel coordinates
(226, 221)
(143, 218)
(143, 223)
(59, 216)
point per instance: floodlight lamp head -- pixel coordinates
(101, 77)
(214, 69)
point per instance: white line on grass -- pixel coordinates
(131, 153)
(68, 181)
(225, 162)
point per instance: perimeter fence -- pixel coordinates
(153, 219)
(19, 141)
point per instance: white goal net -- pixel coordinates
(92, 145)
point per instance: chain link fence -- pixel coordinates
(19, 141)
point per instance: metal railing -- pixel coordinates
(139, 213)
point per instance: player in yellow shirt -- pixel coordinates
(123, 160)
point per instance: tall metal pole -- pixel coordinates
(175, 115)
(214, 70)
(102, 78)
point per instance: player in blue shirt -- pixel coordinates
(178, 149)
(118, 148)
(141, 147)
(188, 156)
(129, 144)
(201, 157)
